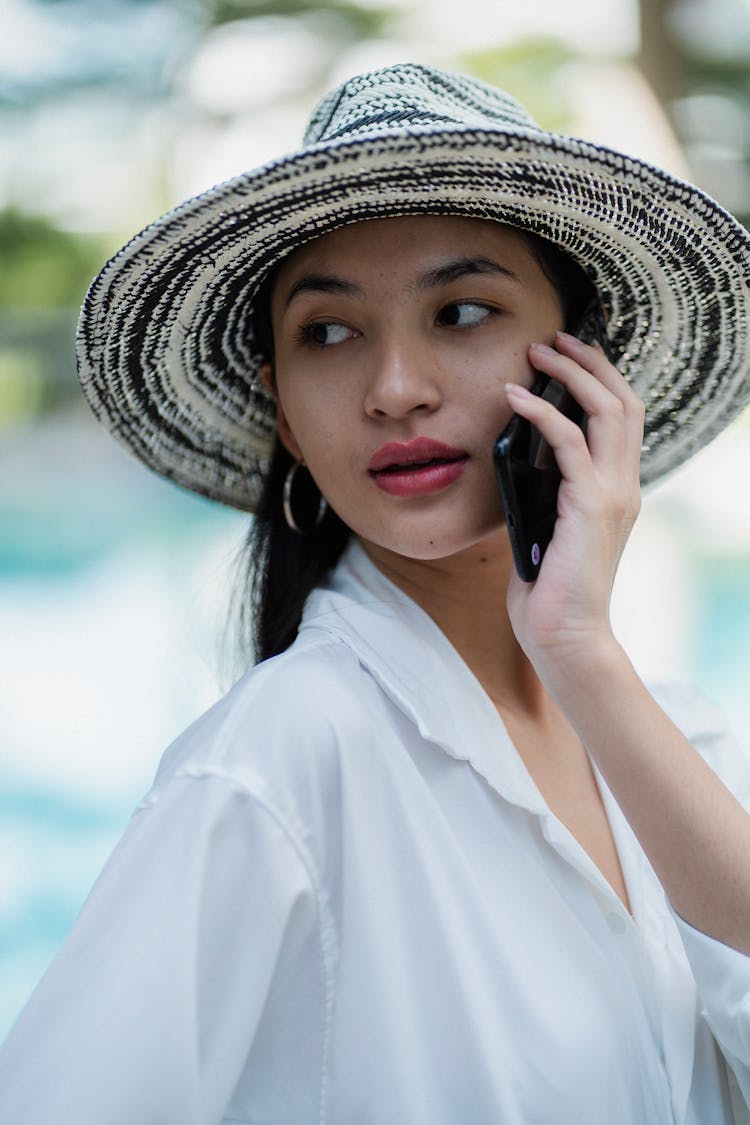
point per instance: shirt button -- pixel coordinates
(616, 923)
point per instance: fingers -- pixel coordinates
(563, 435)
(615, 413)
(593, 360)
(599, 495)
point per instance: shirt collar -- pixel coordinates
(419, 669)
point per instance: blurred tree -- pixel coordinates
(362, 21)
(695, 54)
(534, 71)
(660, 62)
(78, 79)
(43, 266)
(112, 151)
(45, 274)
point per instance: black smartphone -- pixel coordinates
(525, 466)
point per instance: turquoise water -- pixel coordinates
(53, 845)
(722, 651)
(113, 594)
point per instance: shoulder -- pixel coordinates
(283, 731)
(317, 690)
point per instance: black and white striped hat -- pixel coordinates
(166, 352)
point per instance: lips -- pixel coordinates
(416, 467)
(396, 456)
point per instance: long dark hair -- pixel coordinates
(280, 567)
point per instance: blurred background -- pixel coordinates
(114, 585)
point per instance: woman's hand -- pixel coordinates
(695, 833)
(563, 618)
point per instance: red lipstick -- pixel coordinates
(417, 467)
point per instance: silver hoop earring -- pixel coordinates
(286, 500)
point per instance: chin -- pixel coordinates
(429, 546)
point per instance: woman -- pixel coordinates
(442, 858)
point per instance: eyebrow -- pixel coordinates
(457, 268)
(443, 274)
(322, 283)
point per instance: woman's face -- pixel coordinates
(393, 341)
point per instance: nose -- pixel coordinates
(403, 380)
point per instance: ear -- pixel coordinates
(265, 374)
(288, 439)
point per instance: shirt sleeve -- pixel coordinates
(722, 978)
(722, 974)
(206, 912)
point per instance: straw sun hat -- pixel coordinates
(166, 352)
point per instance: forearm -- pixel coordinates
(694, 832)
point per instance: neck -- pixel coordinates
(464, 594)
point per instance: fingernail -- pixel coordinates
(518, 390)
(567, 336)
(543, 348)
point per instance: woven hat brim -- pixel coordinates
(165, 347)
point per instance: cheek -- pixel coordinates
(312, 425)
(481, 384)
(496, 358)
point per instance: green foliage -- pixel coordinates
(21, 385)
(533, 71)
(45, 273)
(42, 265)
(37, 362)
(361, 22)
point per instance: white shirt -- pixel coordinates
(344, 901)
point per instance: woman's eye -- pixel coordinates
(324, 333)
(463, 314)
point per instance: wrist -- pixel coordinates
(577, 674)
